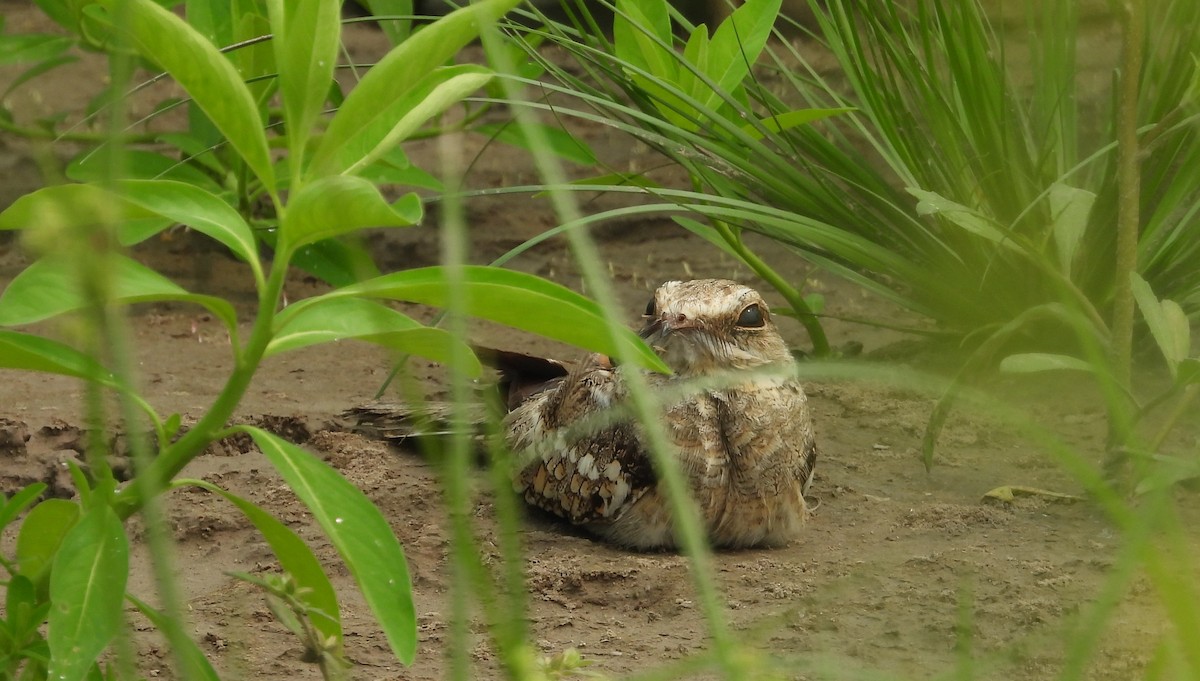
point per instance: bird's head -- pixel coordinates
(710, 325)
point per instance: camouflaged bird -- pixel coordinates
(742, 431)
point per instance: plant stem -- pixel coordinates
(804, 313)
(1128, 191)
(172, 460)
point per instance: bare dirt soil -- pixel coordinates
(894, 564)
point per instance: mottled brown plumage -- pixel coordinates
(733, 409)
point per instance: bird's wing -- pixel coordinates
(576, 463)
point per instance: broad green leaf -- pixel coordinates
(1070, 209)
(561, 142)
(931, 203)
(338, 262)
(198, 666)
(140, 165)
(337, 205)
(213, 20)
(642, 36)
(1179, 332)
(306, 43)
(520, 300)
(41, 534)
(1189, 371)
(210, 79)
(737, 44)
(325, 319)
(1030, 362)
(295, 558)
(27, 48)
(695, 52)
(57, 210)
(395, 168)
(202, 211)
(24, 613)
(33, 353)
(1167, 321)
(435, 93)
(791, 119)
(87, 592)
(18, 502)
(396, 30)
(359, 532)
(370, 111)
(1168, 471)
(50, 287)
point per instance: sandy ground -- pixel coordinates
(892, 565)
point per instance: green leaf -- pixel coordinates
(325, 319)
(1030, 362)
(931, 203)
(295, 558)
(791, 119)
(50, 287)
(87, 590)
(56, 210)
(561, 142)
(1070, 209)
(41, 534)
(210, 79)
(435, 93)
(202, 211)
(642, 36)
(14, 505)
(25, 612)
(359, 532)
(34, 353)
(197, 665)
(306, 43)
(214, 20)
(1167, 321)
(139, 165)
(519, 300)
(1189, 371)
(372, 109)
(737, 44)
(338, 205)
(32, 47)
(338, 262)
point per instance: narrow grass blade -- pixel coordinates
(198, 668)
(359, 532)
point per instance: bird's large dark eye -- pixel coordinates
(751, 317)
(649, 308)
